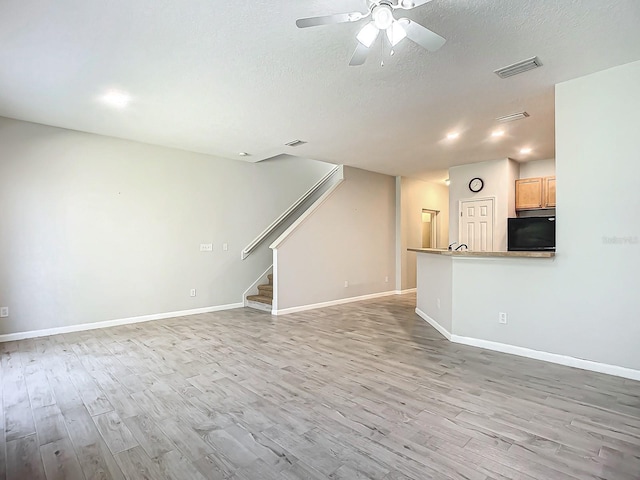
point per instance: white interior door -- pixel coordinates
(476, 224)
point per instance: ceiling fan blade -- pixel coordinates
(421, 35)
(409, 4)
(359, 56)
(330, 19)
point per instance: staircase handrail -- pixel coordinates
(287, 213)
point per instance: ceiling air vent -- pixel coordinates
(513, 117)
(295, 143)
(517, 68)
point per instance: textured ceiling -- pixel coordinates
(224, 77)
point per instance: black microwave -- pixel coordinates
(531, 234)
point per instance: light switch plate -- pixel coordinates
(4, 312)
(206, 247)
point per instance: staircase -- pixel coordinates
(264, 299)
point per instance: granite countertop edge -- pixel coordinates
(468, 253)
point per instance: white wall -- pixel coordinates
(435, 276)
(584, 303)
(538, 168)
(350, 237)
(598, 166)
(525, 289)
(513, 174)
(415, 196)
(94, 228)
(499, 183)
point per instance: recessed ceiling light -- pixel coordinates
(525, 151)
(497, 133)
(243, 154)
(115, 98)
(453, 135)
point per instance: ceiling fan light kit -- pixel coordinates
(368, 34)
(382, 18)
(396, 34)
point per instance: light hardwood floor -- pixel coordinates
(365, 390)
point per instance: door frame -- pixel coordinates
(493, 215)
(435, 230)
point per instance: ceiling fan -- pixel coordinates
(382, 19)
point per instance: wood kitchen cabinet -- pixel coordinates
(549, 189)
(535, 193)
(529, 193)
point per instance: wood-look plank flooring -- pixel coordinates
(359, 391)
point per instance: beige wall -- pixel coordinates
(499, 178)
(94, 228)
(350, 237)
(416, 195)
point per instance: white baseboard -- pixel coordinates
(258, 306)
(9, 337)
(550, 357)
(332, 303)
(443, 331)
(535, 354)
(409, 290)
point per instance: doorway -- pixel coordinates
(476, 224)
(429, 228)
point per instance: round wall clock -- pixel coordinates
(476, 184)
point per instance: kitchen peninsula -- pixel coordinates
(470, 296)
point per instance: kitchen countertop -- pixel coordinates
(468, 253)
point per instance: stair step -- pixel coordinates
(260, 299)
(264, 300)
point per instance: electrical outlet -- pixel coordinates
(192, 292)
(206, 247)
(502, 318)
(346, 283)
(225, 246)
(386, 279)
(438, 303)
(4, 312)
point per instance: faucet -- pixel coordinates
(451, 245)
(462, 245)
